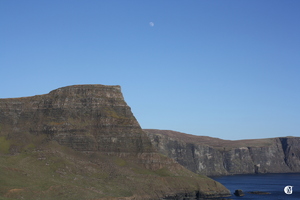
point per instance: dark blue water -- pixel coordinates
(272, 183)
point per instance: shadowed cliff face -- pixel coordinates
(85, 141)
(213, 156)
(291, 148)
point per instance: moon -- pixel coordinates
(151, 24)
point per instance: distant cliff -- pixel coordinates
(83, 142)
(213, 156)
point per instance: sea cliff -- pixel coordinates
(83, 142)
(83, 117)
(214, 156)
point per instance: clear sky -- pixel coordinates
(227, 69)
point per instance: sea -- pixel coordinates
(280, 186)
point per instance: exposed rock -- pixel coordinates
(84, 117)
(291, 149)
(239, 193)
(213, 156)
(95, 121)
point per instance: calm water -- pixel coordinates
(273, 183)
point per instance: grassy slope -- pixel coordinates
(51, 171)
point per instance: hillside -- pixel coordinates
(214, 156)
(83, 142)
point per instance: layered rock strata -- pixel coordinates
(213, 156)
(84, 117)
(89, 119)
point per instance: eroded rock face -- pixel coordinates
(95, 120)
(84, 117)
(291, 149)
(213, 156)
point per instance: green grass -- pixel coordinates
(50, 178)
(47, 170)
(4, 145)
(163, 172)
(120, 162)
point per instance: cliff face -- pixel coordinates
(291, 149)
(213, 156)
(84, 139)
(84, 117)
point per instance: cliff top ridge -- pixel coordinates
(211, 141)
(88, 89)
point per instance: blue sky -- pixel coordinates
(227, 69)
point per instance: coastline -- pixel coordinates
(256, 186)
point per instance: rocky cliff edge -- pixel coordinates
(214, 156)
(83, 142)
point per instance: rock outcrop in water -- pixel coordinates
(213, 156)
(83, 142)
